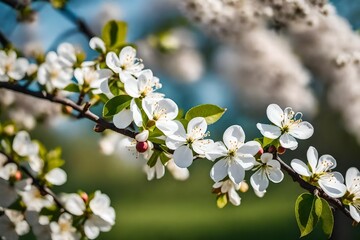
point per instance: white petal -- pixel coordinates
(236, 172)
(148, 107)
(74, 204)
(269, 131)
(275, 174)
(136, 113)
(288, 141)
(23, 146)
(56, 176)
(266, 157)
(332, 187)
(104, 88)
(246, 161)
(123, 119)
(300, 167)
(251, 147)
(19, 69)
(351, 174)
(201, 146)
(234, 197)
(131, 87)
(355, 213)
(313, 157)
(259, 181)
(97, 44)
(170, 108)
(79, 75)
(325, 164)
(113, 62)
(167, 127)
(233, 135)
(91, 230)
(143, 136)
(303, 130)
(215, 150)
(219, 171)
(183, 156)
(197, 127)
(159, 169)
(275, 114)
(127, 55)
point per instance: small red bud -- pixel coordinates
(272, 149)
(18, 175)
(260, 152)
(281, 150)
(142, 146)
(84, 196)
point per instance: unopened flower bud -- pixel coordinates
(244, 187)
(84, 196)
(143, 136)
(260, 152)
(281, 150)
(9, 130)
(67, 109)
(142, 147)
(18, 175)
(272, 149)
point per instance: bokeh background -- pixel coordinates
(166, 208)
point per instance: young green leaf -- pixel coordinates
(221, 200)
(266, 141)
(72, 87)
(211, 113)
(115, 105)
(114, 33)
(153, 159)
(327, 218)
(307, 209)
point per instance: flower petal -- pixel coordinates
(233, 136)
(57, 176)
(234, 197)
(288, 141)
(215, 150)
(259, 181)
(355, 213)
(167, 127)
(97, 44)
(113, 62)
(201, 146)
(251, 147)
(313, 158)
(275, 114)
(275, 174)
(131, 87)
(351, 175)
(236, 172)
(269, 131)
(74, 204)
(331, 186)
(123, 119)
(300, 167)
(219, 171)
(303, 130)
(183, 156)
(246, 161)
(197, 127)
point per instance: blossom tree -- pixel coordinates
(155, 131)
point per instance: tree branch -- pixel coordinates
(43, 189)
(312, 189)
(4, 41)
(84, 112)
(17, 5)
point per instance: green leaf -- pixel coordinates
(307, 209)
(327, 218)
(115, 105)
(164, 158)
(267, 141)
(211, 113)
(114, 33)
(221, 200)
(153, 159)
(72, 87)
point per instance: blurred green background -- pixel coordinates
(169, 209)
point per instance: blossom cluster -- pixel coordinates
(27, 173)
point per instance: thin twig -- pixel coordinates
(17, 5)
(311, 188)
(42, 188)
(85, 112)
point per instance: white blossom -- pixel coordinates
(97, 80)
(56, 176)
(23, 145)
(73, 203)
(63, 229)
(126, 64)
(162, 112)
(34, 200)
(13, 225)
(288, 126)
(319, 171)
(236, 155)
(230, 188)
(102, 218)
(67, 55)
(267, 169)
(53, 74)
(353, 192)
(39, 225)
(143, 86)
(12, 67)
(184, 143)
(158, 170)
(97, 44)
